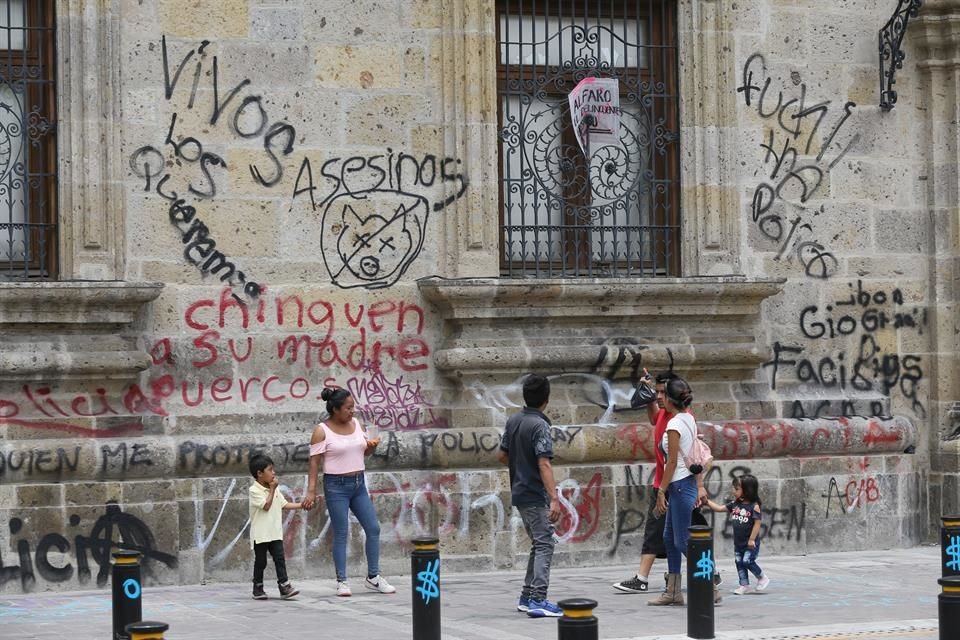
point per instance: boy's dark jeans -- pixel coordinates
(260, 549)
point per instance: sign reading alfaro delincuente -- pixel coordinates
(595, 111)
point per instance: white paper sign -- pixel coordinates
(595, 110)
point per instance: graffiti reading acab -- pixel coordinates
(428, 581)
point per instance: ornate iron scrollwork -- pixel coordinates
(891, 55)
(585, 214)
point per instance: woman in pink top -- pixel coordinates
(339, 445)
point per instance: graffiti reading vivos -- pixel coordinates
(374, 208)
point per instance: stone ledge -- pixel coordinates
(498, 329)
(503, 298)
(73, 303)
(55, 331)
(212, 456)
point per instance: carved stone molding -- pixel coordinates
(711, 216)
(498, 329)
(469, 109)
(90, 173)
(54, 331)
(178, 455)
(936, 34)
(937, 30)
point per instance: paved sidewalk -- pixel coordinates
(870, 595)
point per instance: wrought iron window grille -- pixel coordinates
(616, 212)
(891, 55)
(28, 158)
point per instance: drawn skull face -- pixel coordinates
(380, 234)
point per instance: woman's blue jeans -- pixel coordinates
(681, 496)
(746, 559)
(344, 494)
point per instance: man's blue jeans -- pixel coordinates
(681, 496)
(746, 559)
(344, 494)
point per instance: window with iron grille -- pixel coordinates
(28, 154)
(615, 213)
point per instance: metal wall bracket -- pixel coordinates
(891, 55)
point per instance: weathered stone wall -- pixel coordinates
(293, 174)
(182, 500)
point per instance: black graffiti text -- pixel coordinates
(113, 530)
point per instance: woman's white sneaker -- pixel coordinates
(343, 590)
(379, 583)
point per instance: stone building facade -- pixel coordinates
(259, 198)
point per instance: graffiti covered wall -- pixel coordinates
(315, 185)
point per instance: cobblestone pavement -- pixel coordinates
(869, 595)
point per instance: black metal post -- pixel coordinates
(700, 567)
(146, 630)
(948, 607)
(127, 605)
(950, 546)
(578, 621)
(425, 575)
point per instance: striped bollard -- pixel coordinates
(950, 546)
(127, 605)
(700, 570)
(948, 607)
(425, 575)
(578, 621)
(146, 630)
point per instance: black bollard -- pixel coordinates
(948, 607)
(425, 575)
(950, 546)
(127, 605)
(700, 568)
(578, 621)
(146, 630)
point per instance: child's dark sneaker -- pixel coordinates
(258, 592)
(632, 585)
(287, 591)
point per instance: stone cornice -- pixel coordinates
(503, 327)
(937, 33)
(73, 303)
(606, 297)
(470, 448)
(55, 331)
